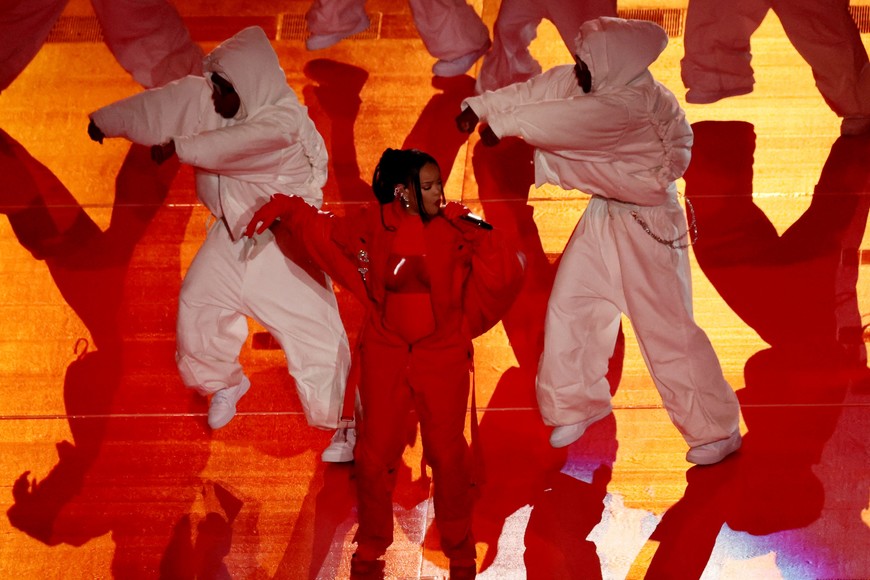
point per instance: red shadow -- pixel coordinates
(796, 291)
(125, 298)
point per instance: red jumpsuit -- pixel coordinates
(430, 289)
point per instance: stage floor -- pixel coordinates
(107, 465)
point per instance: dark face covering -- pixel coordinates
(226, 100)
(584, 77)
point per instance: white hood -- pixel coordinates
(617, 51)
(248, 61)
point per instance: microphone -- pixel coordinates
(473, 219)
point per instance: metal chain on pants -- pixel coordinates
(674, 243)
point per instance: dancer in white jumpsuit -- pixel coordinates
(516, 26)
(717, 56)
(451, 30)
(147, 37)
(242, 154)
(608, 128)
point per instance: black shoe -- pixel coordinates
(360, 568)
(463, 569)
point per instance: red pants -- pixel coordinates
(435, 383)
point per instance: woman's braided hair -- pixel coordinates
(400, 167)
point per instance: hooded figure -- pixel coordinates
(247, 136)
(606, 127)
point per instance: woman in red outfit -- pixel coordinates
(432, 280)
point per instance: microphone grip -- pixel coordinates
(471, 218)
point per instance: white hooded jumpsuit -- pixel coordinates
(147, 37)
(271, 145)
(625, 143)
(717, 49)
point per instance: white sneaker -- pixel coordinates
(459, 66)
(222, 407)
(321, 41)
(340, 449)
(710, 453)
(567, 434)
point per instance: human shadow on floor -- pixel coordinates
(119, 292)
(797, 288)
(201, 539)
(798, 292)
(333, 100)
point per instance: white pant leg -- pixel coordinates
(717, 58)
(149, 39)
(827, 38)
(302, 315)
(212, 326)
(24, 26)
(582, 323)
(449, 28)
(326, 17)
(568, 16)
(515, 28)
(509, 61)
(658, 294)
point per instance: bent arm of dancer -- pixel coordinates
(556, 83)
(253, 147)
(155, 116)
(577, 124)
(263, 149)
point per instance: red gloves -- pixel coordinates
(269, 213)
(454, 210)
